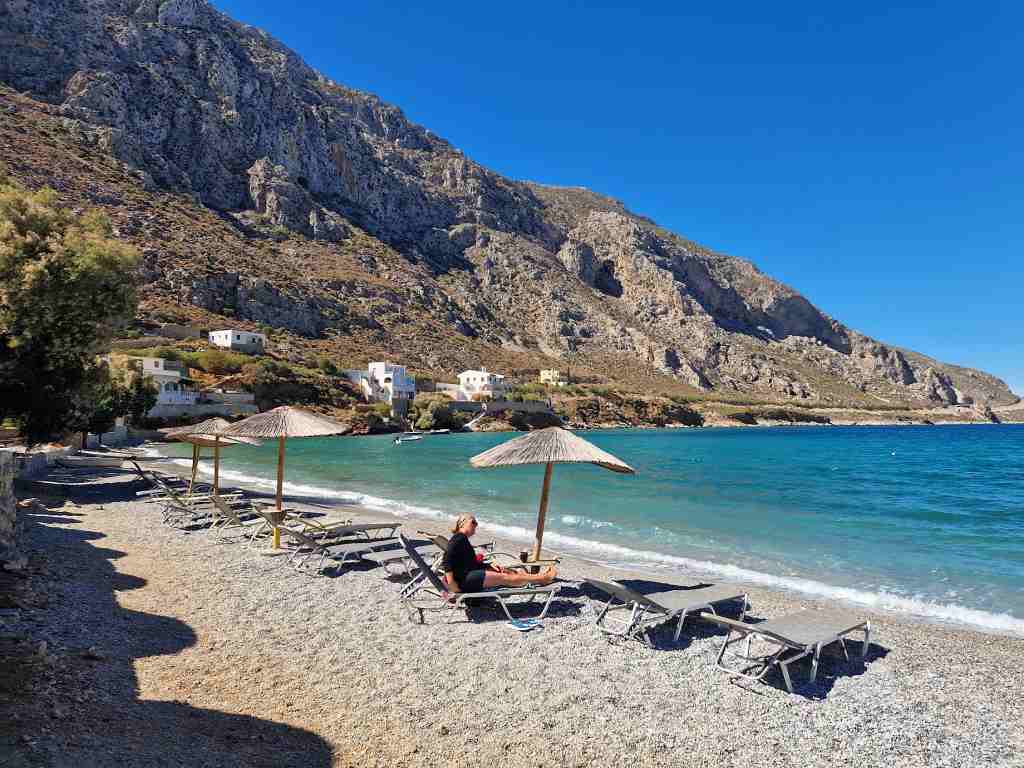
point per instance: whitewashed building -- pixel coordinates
(170, 378)
(553, 377)
(478, 385)
(239, 341)
(384, 382)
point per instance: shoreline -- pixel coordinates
(646, 564)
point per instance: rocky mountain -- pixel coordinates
(260, 189)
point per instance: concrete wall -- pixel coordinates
(38, 462)
(496, 406)
(181, 332)
(241, 400)
(118, 437)
(509, 405)
(8, 509)
(201, 409)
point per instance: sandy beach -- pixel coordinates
(171, 648)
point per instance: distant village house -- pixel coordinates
(384, 383)
(239, 341)
(552, 377)
(476, 385)
(178, 396)
(170, 377)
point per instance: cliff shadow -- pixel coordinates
(79, 701)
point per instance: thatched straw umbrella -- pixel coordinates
(550, 446)
(283, 422)
(204, 435)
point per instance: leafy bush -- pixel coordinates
(534, 392)
(167, 353)
(435, 413)
(217, 361)
(327, 365)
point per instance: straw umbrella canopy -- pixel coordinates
(204, 435)
(283, 422)
(550, 446)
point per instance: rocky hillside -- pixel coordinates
(263, 191)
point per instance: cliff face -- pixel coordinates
(192, 101)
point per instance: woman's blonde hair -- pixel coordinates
(461, 521)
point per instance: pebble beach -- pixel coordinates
(153, 646)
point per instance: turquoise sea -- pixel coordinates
(921, 520)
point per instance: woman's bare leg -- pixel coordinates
(492, 579)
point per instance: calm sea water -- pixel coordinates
(922, 520)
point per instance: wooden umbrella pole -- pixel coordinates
(543, 511)
(280, 488)
(216, 466)
(195, 466)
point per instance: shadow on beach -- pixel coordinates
(82, 705)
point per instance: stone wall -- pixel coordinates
(8, 509)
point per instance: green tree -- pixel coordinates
(141, 397)
(97, 403)
(65, 287)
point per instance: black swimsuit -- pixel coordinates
(460, 560)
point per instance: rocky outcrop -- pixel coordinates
(195, 102)
(283, 203)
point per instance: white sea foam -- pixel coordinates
(618, 555)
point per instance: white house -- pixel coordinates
(475, 385)
(170, 378)
(552, 376)
(239, 341)
(384, 382)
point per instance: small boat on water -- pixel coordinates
(407, 439)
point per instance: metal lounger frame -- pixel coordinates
(646, 613)
(785, 645)
(350, 551)
(398, 562)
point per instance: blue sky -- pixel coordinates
(871, 156)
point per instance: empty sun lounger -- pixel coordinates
(342, 553)
(789, 638)
(397, 562)
(360, 530)
(228, 516)
(434, 595)
(674, 601)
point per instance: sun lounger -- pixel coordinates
(397, 562)
(181, 510)
(342, 553)
(226, 516)
(170, 487)
(646, 611)
(328, 531)
(439, 598)
(789, 638)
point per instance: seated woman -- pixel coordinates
(464, 573)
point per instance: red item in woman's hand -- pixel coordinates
(479, 557)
